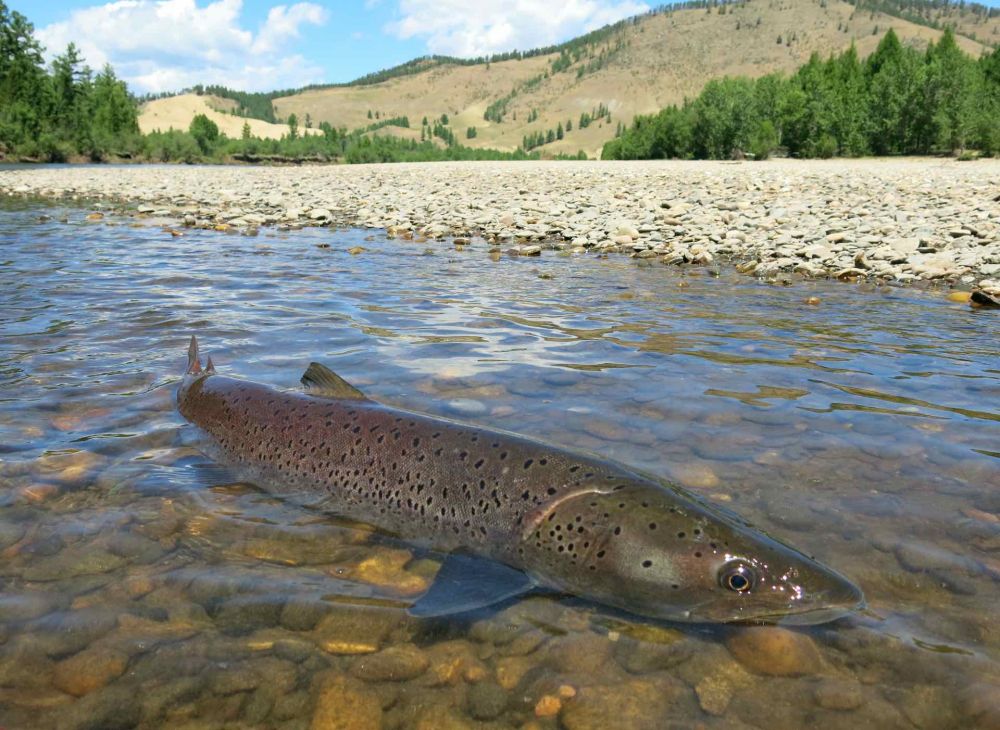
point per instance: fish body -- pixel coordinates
(569, 521)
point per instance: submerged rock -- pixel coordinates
(345, 703)
(89, 670)
(395, 664)
(774, 651)
(633, 705)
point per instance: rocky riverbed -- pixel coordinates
(908, 220)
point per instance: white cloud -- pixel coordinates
(165, 45)
(463, 28)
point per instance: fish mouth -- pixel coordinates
(788, 616)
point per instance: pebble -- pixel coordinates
(918, 220)
(345, 703)
(774, 651)
(486, 701)
(89, 670)
(838, 694)
(395, 664)
(635, 704)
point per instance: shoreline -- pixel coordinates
(901, 220)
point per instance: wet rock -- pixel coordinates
(395, 664)
(641, 657)
(169, 692)
(586, 653)
(452, 662)
(345, 703)
(386, 569)
(486, 701)
(350, 630)
(302, 613)
(246, 613)
(112, 708)
(715, 690)
(980, 702)
(980, 298)
(635, 705)
(694, 475)
(838, 694)
(73, 561)
(774, 651)
(548, 706)
(71, 469)
(10, 533)
(60, 634)
(89, 670)
(24, 664)
(26, 606)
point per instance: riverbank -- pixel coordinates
(904, 220)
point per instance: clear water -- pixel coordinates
(864, 429)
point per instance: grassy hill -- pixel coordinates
(635, 67)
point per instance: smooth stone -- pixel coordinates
(635, 704)
(395, 664)
(345, 703)
(486, 701)
(89, 670)
(775, 651)
(838, 694)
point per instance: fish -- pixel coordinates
(512, 514)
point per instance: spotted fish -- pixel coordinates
(513, 513)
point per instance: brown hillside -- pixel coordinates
(652, 62)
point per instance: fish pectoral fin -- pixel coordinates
(466, 582)
(322, 381)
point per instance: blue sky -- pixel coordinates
(166, 45)
(163, 45)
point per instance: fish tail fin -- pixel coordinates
(194, 362)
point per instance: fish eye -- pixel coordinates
(737, 577)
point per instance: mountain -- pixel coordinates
(634, 67)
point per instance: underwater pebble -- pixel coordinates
(344, 703)
(89, 670)
(486, 700)
(838, 694)
(395, 664)
(774, 651)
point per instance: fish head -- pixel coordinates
(662, 553)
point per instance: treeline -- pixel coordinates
(66, 110)
(203, 142)
(248, 104)
(899, 101)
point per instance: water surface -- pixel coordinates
(864, 429)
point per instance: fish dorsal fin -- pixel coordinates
(466, 583)
(321, 380)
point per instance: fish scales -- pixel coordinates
(569, 521)
(421, 477)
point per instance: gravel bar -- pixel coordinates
(903, 220)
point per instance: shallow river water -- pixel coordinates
(864, 429)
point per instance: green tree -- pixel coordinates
(894, 82)
(951, 90)
(293, 126)
(25, 91)
(205, 133)
(559, 131)
(724, 118)
(114, 117)
(850, 110)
